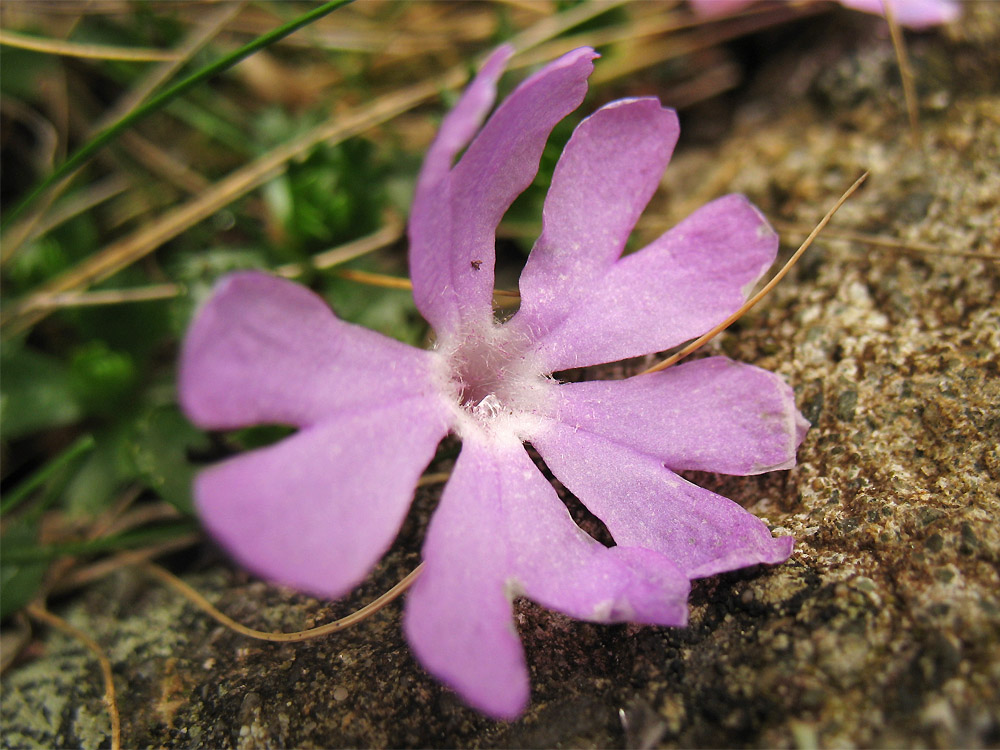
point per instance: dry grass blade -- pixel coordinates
(74, 49)
(385, 236)
(93, 195)
(500, 296)
(24, 314)
(140, 243)
(303, 635)
(37, 611)
(48, 138)
(764, 291)
(654, 52)
(109, 296)
(552, 26)
(389, 234)
(197, 39)
(31, 226)
(375, 279)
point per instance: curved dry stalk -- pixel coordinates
(192, 595)
(91, 51)
(705, 338)
(38, 611)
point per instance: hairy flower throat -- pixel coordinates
(490, 376)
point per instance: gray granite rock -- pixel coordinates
(884, 627)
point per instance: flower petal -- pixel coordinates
(265, 350)
(917, 14)
(501, 531)
(318, 509)
(644, 504)
(606, 175)
(455, 215)
(676, 288)
(458, 616)
(555, 563)
(710, 415)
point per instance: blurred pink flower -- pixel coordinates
(917, 14)
(318, 509)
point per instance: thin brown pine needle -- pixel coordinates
(764, 291)
(38, 611)
(208, 608)
(905, 70)
(75, 49)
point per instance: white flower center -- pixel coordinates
(493, 383)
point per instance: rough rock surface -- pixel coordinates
(884, 627)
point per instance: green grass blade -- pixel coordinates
(17, 495)
(86, 151)
(25, 554)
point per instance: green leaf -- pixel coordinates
(336, 194)
(101, 377)
(44, 475)
(35, 392)
(158, 449)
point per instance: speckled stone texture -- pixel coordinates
(884, 627)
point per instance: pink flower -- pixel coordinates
(917, 14)
(317, 510)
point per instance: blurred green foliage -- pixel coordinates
(107, 371)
